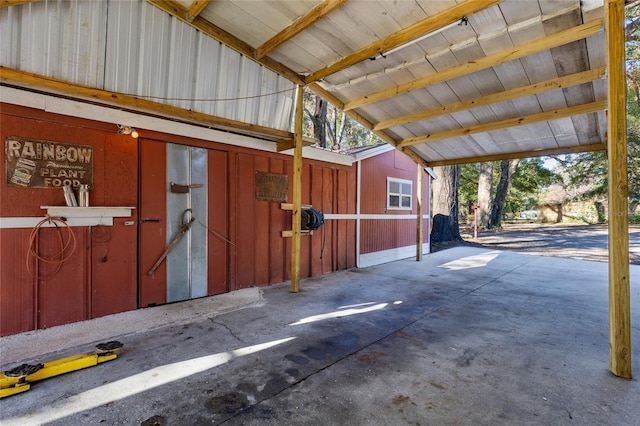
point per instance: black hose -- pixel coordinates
(312, 219)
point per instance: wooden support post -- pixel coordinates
(297, 195)
(419, 215)
(619, 294)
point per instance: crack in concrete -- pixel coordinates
(228, 329)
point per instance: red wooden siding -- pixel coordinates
(316, 200)
(279, 221)
(62, 296)
(113, 273)
(331, 230)
(99, 278)
(108, 272)
(246, 224)
(385, 234)
(375, 171)
(152, 233)
(218, 222)
(113, 249)
(261, 250)
(17, 287)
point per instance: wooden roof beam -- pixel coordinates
(558, 39)
(511, 122)
(507, 95)
(301, 24)
(525, 154)
(7, 3)
(405, 35)
(286, 144)
(177, 10)
(196, 8)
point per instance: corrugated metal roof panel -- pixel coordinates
(134, 48)
(56, 39)
(123, 51)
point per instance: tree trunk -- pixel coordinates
(507, 169)
(602, 217)
(445, 204)
(339, 126)
(557, 209)
(319, 120)
(485, 188)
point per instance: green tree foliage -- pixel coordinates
(526, 185)
(633, 101)
(586, 173)
(633, 58)
(332, 128)
(633, 168)
(468, 190)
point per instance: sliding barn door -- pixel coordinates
(175, 214)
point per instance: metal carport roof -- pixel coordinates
(445, 81)
(449, 81)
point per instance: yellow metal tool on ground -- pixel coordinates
(19, 379)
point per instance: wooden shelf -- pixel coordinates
(93, 211)
(88, 216)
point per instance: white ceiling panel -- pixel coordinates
(476, 75)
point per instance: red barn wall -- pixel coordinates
(101, 277)
(84, 287)
(379, 234)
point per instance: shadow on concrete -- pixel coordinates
(468, 336)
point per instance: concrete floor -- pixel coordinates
(468, 336)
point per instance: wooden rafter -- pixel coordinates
(313, 16)
(523, 154)
(22, 78)
(7, 3)
(415, 157)
(176, 9)
(558, 39)
(507, 95)
(503, 124)
(196, 8)
(405, 35)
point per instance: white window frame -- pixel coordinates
(400, 194)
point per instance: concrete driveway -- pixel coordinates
(469, 336)
(587, 242)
